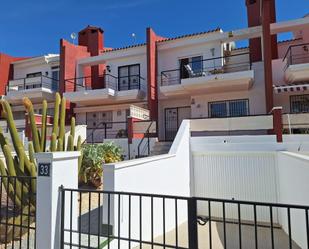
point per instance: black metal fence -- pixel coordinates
(297, 54)
(107, 130)
(143, 148)
(17, 212)
(207, 67)
(32, 83)
(133, 220)
(105, 81)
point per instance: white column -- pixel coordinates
(55, 169)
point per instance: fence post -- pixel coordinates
(192, 223)
(277, 123)
(55, 169)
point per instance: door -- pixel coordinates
(173, 118)
(55, 79)
(129, 77)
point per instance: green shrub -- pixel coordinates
(94, 156)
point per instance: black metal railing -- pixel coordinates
(17, 212)
(143, 148)
(206, 67)
(33, 83)
(132, 220)
(297, 54)
(105, 81)
(107, 130)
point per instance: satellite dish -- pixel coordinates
(73, 36)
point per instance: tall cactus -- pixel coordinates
(43, 128)
(25, 165)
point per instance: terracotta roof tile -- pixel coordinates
(190, 35)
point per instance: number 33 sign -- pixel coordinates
(44, 169)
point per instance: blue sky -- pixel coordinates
(34, 27)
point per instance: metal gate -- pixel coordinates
(173, 118)
(17, 212)
(106, 219)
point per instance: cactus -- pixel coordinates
(24, 165)
(53, 142)
(34, 131)
(43, 128)
(56, 113)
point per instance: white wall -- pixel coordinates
(245, 175)
(130, 60)
(293, 175)
(165, 174)
(123, 143)
(168, 59)
(21, 70)
(255, 95)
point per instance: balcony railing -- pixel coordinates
(33, 83)
(106, 81)
(207, 67)
(297, 54)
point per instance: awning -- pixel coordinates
(296, 87)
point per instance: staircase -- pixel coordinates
(160, 148)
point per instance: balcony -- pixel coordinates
(228, 73)
(297, 63)
(115, 90)
(36, 88)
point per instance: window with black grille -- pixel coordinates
(299, 103)
(229, 108)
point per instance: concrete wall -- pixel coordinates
(293, 175)
(151, 175)
(123, 143)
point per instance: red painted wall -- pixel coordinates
(152, 72)
(6, 70)
(268, 48)
(69, 53)
(93, 38)
(254, 19)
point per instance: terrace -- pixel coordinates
(228, 73)
(114, 89)
(36, 88)
(297, 63)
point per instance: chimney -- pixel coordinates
(93, 38)
(254, 19)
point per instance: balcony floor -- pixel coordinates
(36, 95)
(104, 96)
(236, 81)
(297, 72)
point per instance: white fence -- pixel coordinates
(164, 174)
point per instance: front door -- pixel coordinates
(173, 118)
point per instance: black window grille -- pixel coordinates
(299, 103)
(230, 108)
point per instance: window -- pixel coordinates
(33, 75)
(129, 77)
(97, 119)
(55, 78)
(299, 103)
(231, 108)
(196, 64)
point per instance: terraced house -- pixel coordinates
(215, 139)
(146, 90)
